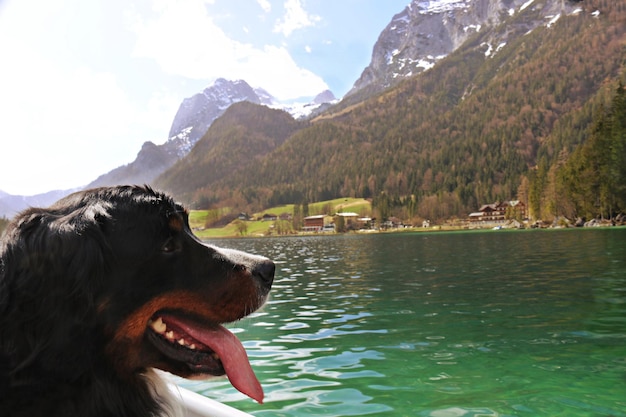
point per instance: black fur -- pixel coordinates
(72, 274)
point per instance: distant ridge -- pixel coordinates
(427, 31)
(10, 205)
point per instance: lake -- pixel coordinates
(496, 323)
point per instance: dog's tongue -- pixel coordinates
(233, 357)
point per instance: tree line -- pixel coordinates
(591, 181)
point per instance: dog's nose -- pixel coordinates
(264, 270)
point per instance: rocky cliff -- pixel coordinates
(427, 31)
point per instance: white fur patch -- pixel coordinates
(166, 397)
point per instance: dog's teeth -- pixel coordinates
(161, 328)
(158, 326)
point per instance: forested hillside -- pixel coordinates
(236, 141)
(472, 130)
(590, 182)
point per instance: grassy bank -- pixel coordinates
(257, 227)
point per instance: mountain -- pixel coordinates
(324, 97)
(193, 118)
(198, 112)
(10, 205)
(307, 109)
(195, 114)
(425, 32)
(238, 140)
(191, 122)
(150, 162)
(471, 130)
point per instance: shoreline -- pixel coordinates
(432, 229)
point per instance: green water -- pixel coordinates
(524, 323)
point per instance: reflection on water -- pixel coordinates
(463, 324)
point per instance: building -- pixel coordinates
(499, 212)
(517, 210)
(347, 221)
(269, 217)
(393, 223)
(313, 223)
(365, 223)
(319, 223)
(487, 213)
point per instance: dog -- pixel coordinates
(107, 285)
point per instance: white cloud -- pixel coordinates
(184, 41)
(66, 126)
(295, 18)
(265, 5)
(308, 49)
(64, 123)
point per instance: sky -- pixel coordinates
(84, 83)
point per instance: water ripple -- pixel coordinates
(440, 325)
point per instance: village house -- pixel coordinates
(313, 223)
(393, 223)
(325, 223)
(318, 223)
(517, 210)
(269, 217)
(499, 212)
(365, 223)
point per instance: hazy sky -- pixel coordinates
(83, 83)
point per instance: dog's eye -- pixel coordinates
(169, 246)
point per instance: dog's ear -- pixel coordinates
(56, 247)
(52, 262)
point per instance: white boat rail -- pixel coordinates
(196, 405)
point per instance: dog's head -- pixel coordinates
(117, 272)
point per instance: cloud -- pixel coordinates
(67, 126)
(183, 39)
(63, 122)
(295, 18)
(265, 5)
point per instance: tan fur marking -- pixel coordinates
(226, 303)
(175, 223)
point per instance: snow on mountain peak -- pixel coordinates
(440, 6)
(427, 31)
